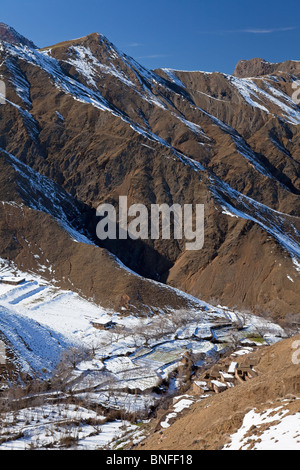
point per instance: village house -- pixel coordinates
(218, 386)
(200, 387)
(225, 375)
(104, 326)
(13, 281)
(243, 373)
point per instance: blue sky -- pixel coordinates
(211, 35)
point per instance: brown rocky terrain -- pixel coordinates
(99, 125)
(209, 423)
(72, 261)
(258, 67)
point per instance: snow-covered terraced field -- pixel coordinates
(59, 426)
(41, 323)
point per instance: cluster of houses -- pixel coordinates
(226, 375)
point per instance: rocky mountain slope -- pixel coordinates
(83, 124)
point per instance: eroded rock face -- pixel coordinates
(254, 68)
(99, 125)
(259, 67)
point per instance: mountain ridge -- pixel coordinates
(100, 125)
(9, 34)
(257, 67)
(244, 68)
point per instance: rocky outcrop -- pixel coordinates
(259, 67)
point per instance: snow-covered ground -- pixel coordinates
(180, 404)
(116, 368)
(59, 426)
(41, 322)
(273, 429)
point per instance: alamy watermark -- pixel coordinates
(2, 92)
(2, 353)
(296, 94)
(296, 354)
(162, 221)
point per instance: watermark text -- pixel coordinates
(296, 354)
(2, 92)
(160, 222)
(296, 94)
(2, 353)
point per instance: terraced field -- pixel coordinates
(41, 324)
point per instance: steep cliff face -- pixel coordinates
(99, 125)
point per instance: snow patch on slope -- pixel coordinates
(274, 429)
(253, 95)
(273, 222)
(44, 195)
(173, 77)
